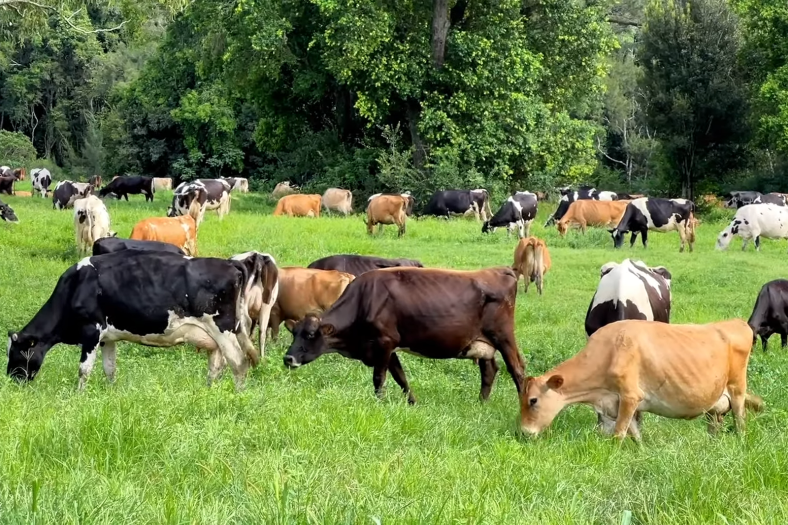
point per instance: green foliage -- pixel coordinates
(16, 149)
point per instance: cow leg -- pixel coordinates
(514, 361)
(521, 229)
(627, 406)
(90, 344)
(489, 370)
(682, 236)
(783, 340)
(379, 373)
(738, 396)
(714, 422)
(108, 360)
(632, 238)
(215, 366)
(758, 243)
(126, 195)
(395, 367)
(744, 243)
(401, 229)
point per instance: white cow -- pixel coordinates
(41, 179)
(752, 222)
(91, 222)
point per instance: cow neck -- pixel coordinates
(581, 379)
(46, 325)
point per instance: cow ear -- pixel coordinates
(661, 270)
(13, 336)
(290, 325)
(327, 330)
(555, 382)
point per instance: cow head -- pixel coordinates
(563, 227)
(541, 401)
(310, 341)
(726, 236)
(486, 227)
(25, 356)
(618, 237)
(7, 214)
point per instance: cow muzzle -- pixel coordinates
(291, 362)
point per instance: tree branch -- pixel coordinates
(16, 4)
(623, 21)
(603, 152)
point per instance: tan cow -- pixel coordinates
(338, 200)
(284, 188)
(589, 212)
(388, 209)
(629, 367)
(91, 222)
(299, 206)
(178, 231)
(532, 261)
(303, 291)
(162, 183)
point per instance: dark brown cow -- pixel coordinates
(7, 184)
(358, 264)
(438, 314)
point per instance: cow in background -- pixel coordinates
(261, 292)
(518, 210)
(754, 221)
(122, 187)
(339, 200)
(67, 192)
(568, 196)
(284, 188)
(210, 194)
(298, 206)
(410, 199)
(444, 203)
(237, 183)
(7, 213)
(41, 179)
(91, 222)
(661, 215)
(358, 264)
(586, 213)
(114, 244)
(162, 183)
(178, 231)
(95, 181)
(388, 209)
(532, 261)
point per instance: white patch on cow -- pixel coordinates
(607, 195)
(645, 272)
(185, 227)
(756, 220)
(622, 284)
(84, 262)
(479, 350)
(188, 257)
(246, 255)
(517, 205)
(179, 330)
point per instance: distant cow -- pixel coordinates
(388, 209)
(7, 184)
(437, 314)
(261, 292)
(608, 196)
(339, 200)
(122, 187)
(660, 215)
(459, 202)
(91, 222)
(532, 261)
(299, 206)
(284, 188)
(405, 195)
(518, 210)
(18, 173)
(237, 183)
(630, 290)
(744, 198)
(754, 221)
(7, 213)
(210, 194)
(770, 314)
(358, 264)
(178, 231)
(162, 183)
(95, 181)
(568, 196)
(630, 367)
(41, 179)
(114, 244)
(586, 213)
(66, 192)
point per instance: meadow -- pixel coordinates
(314, 445)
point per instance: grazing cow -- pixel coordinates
(592, 213)
(532, 261)
(162, 183)
(607, 196)
(630, 290)
(261, 292)
(459, 202)
(41, 179)
(630, 367)
(66, 192)
(178, 231)
(91, 222)
(770, 314)
(661, 215)
(7, 185)
(745, 198)
(569, 196)
(284, 188)
(299, 206)
(210, 194)
(114, 244)
(7, 213)
(388, 209)
(753, 221)
(357, 264)
(18, 173)
(95, 181)
(150, 298)
(121, 187)
(518, 210)
(338, 200)
(303, 291)
(437, 314)
(405, 195)
(237, 183)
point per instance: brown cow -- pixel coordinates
(532, 261)
(178, 231)
(388, 209)
(303, 291)
(629, 367)
(284, 188)
(592, 213)
(338, 200)
(162, 183)
(299, 206)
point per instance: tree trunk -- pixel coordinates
(440, 29)
(414, 114)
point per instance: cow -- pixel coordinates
(770, 314)
(569, 196)
(284, 188)
(586, 213)
(388, 209)
(7, 213)
(459, 202)
(91, 222)
(66, 192)
(121, 187)
(630, 290)
(150, 298)
(754, 221)
(661, 215)
(178, 231)
(7, 184)
(298, 206)
(41, 179)
(437, 314)
(338, 200)
(357, 264)
(262, 291)
(95, 181)
(162, 183)
(211, 194)
(518, 210)
(303, 291)
(114, 244)
(237, 183)
(744, 198)
(633, 366)
(18, 173)
(607, 196)
(532, 261)
(405, 195)
(5, 171)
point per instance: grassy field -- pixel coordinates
(315, 446)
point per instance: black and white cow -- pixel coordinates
(518, 210)
(121, 187)
(41, 179)
(6, 213)
(630, 290)
(445, 202)
(754, 221)
(738, 199)
(237, 183)
(211, 194)
(661, 215)
(175, 300)
(607, 196)
(568, 196)
(66, 192)
(114, 244)
(770, 314)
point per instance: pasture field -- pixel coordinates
(314, 445)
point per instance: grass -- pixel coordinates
(315, 446)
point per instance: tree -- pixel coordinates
(16, 149)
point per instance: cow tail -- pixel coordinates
(753, 403)
(691, 226)
(194, 212)
(242, 319)
(269, 280)
(538, 254)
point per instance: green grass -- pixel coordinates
(315, 446)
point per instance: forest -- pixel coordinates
(667, 97)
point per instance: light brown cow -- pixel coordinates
(589, 212)
(178, 231)
(162, 183)
(299, 206)
(284, 188)
(532, 261)
(338, 200)
(388, 209)
(303, 291)
(629, 367)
